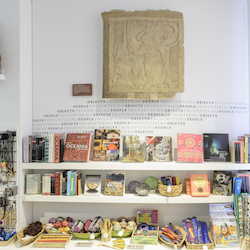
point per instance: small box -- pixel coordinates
(146, 219)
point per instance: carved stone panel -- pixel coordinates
(143, 54)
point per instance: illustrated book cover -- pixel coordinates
(105, 141)
(33, 183)
(133, 149)
(225, 232)
(159, 148)
(92, 185)
(216, 147)
(199, 185)
(222, 183)
(115, 183)
(77, 147)
(189, 147)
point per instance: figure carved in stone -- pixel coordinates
(144, 54)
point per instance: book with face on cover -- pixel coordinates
(115, 183)
(133, 148)
(77, 147)
(92, 185)
(159, 148)
(189, 148)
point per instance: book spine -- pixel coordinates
(246, 149)
(61, 180)
(57, 183)
(26, 149)
(61, 149)
(34, 149)
(57, 148)
(237, 152)
(68, 183)
(72, 183)
(46, 182)
(30, 148)
(51, 148)
(46, 150)
(89, 149)
(52, 184)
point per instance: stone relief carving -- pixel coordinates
(143, 54)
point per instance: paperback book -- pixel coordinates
(222, 183)
(199, 185)
(92, 185)
(115, 183)
(133, 149)
(159, 148)
(77, 147)
(189, 148)
(216, 147)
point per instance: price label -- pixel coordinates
(105, 235)
(205, 247)
(92, 236)
(169, 189)
(120, 233)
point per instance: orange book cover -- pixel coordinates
(77, 147)
(199, 185)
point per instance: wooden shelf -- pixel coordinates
(129, 198)
(157, 166)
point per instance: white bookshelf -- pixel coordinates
(129, 198)
(155, 166)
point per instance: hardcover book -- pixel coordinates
(115, 183)
(216, 147)
(105, 141)
(33, 183)
(77, 147)
(159, 148)
(189, 148)
(222, 183)
(92, 185)
(199, 185)
(133, 149)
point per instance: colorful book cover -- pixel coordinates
(216, 147)
(133, 148)
(189, 148)
(115, 183)
(77, 147)
(106, 140)
(199, 185)
(222, 183)
(159, 148)
(112, 155)
(92, 185)
(57, 148)
(225, 232)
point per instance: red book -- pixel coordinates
(57, 148)
(77, 147)
(57, 183)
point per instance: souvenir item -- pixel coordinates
(77, 226)
(132, 185)
(142, 189)
(95, 225)
(60, 219)
(65, 223)
(71, 224)
(69, 219)
(123, 223)
(48, 226)
(117, 226)
(222, 183)
(52, 220)
(152, 182)
(57, 224)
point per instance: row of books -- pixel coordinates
(69, 183)
(106, 147)
(63, 182)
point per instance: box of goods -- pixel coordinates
(52, 240)
(197, 234)
(147, 229)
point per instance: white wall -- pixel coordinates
(68, 49)
(9, 50)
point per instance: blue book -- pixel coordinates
(68, 182)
